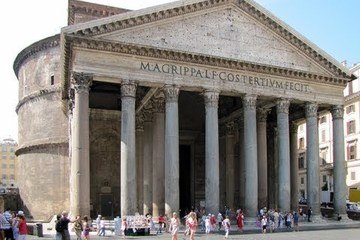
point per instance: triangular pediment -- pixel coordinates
(237, 30)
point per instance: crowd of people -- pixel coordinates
(13, 225)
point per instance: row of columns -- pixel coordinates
(159, 179)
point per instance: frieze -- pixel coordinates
(200, 59)
(337, 112)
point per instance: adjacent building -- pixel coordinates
(188, 104)
(8, 163)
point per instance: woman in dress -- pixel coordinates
(174, 226)
(192, 223)
(240, 220)
(86, 228)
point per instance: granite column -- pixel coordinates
(294, 167)
(140, 162)
(230, 171)
(148, 162)
(262, 157)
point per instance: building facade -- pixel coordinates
(192, 103)
(8, 163)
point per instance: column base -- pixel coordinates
(318, 219)
(250, 221)
(343, 218)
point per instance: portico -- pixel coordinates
(219, 96)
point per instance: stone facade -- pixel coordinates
(199, 76)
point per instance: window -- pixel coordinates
(52, 80)
(323, 119)
(12, 166)
(351, 151)
(302, 180)
(324, 178)
(301, 143)
(11, 149)
(350, 109)
(323, 136)
(12, 157)
(3, 165)
(353, 175)
(12, 177)
(4, 176)
(301, 160)
(3, 157)
(3, 148)
(350, 126)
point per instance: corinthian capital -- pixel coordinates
(311, 109)
(249, 102)
(171, 93)
(262, 114)
(282, 106)
(128, 89)
(81, 81)
(158, 105)
(211, 98)
(337, 112)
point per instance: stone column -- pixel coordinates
(312, 159)
(340, 188)
(282, 109)
(262, 157)
(148, 162)
(241, 160)
(128, 159)
(230, 170)
(250, 155)
(212, 191)
(158, 157)
(80, 159)
(172, 188)
(140, 163)
(294, 167)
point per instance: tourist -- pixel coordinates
(264, 223)
(213, 222)
(174, 226)
(288, 220)
(219, 219)
(22, 226)
(102, 227)
(309, 212)
(98, 219)
(296, 222)
(226, 224)
(6, 224)
(276, 219)
(64, 222)
(192, 223)
(124, 226)
(78, 227)
(207, 224)
(58, 228)
(86, 228)
(240, 220)
(15, 225)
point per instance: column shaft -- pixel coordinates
(128, 158)
(294, 167)
(284, 154)
(172, 189)
(140, 163)
(80, 160)
(262, 158)
(250, 155)
(241, 164)
(212, 191)
(230, 171)
(340, 188)
(148, 165)
(312, 159)
(158, 158)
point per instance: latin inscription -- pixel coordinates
(223, 76)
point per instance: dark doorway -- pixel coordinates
(106, 205)
(185, 179)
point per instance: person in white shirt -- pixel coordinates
(227, 225)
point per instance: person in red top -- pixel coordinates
(22, 226)
(240, 220)
(161, 223)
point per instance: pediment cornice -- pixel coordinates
(136, 18)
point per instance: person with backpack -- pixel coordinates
(58, 228)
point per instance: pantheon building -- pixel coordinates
(193, 103)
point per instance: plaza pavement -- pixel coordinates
(325, 230)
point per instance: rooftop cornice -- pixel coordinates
(144, 16)
(50, 42)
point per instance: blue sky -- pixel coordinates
(332, 25)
